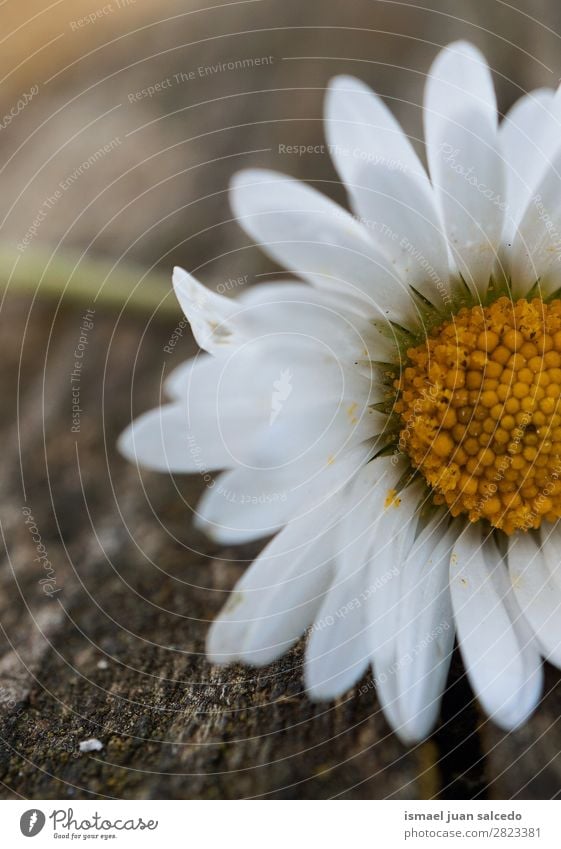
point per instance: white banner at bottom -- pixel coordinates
(270, 825)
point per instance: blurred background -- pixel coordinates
(121, 124)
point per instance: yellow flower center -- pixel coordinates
(480, 408)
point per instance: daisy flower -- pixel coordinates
(390, 414)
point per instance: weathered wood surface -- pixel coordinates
(117, 653)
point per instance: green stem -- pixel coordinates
(81, 279)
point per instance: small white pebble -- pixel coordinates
(102, 664)
(92, 745)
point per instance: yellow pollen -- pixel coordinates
(480, 406)
(392, 499)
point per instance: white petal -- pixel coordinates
(499, 651)
(525, 135)
(371, 505)
(202, 430)
(459, 78)
(280, 593)
(360, 128)
(247, 504)
(242, 505)
(536, 248)
(220, 324)
(399, 210)
(268, 403)
(536, 580)
(324, 431)
(425, 638)
(319, 241)
(464, 159)
(159, 440)
(393, 541)
(274, 401)
(245, 378)
(337, 653)
(294, 291)
(325, 314)
(313, 327)
(339, 647)
(337, 319)
(208, 314)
